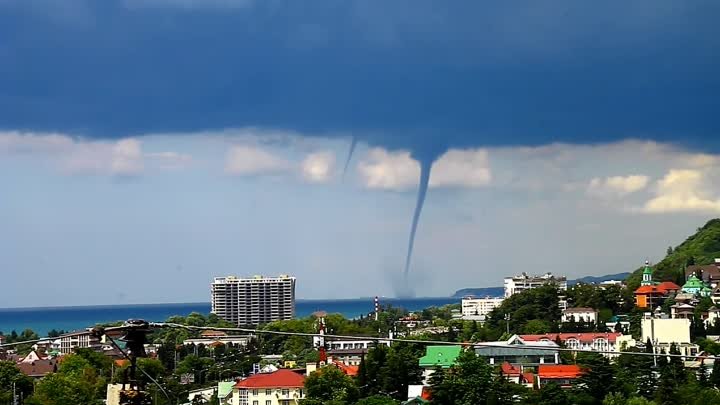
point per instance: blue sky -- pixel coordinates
(173, 140)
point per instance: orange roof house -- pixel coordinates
(561, 374)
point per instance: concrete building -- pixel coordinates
(478, 308)
(579, 314)
(665, 331)
(253, 301)
(598, 342)
(516, 352)
(81, 339)
(523, 282)
(282, 387)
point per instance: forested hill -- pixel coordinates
(701, 248)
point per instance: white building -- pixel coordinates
(81, 339)
(253, 301)
(663, 332)
(479, 308)
(580, 314)
(597, 342)
(282, 387)
(523, 282)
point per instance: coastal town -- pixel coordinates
(544, 337)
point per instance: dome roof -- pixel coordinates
(693, 282)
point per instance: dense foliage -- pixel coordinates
(701, 248)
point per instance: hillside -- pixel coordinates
(701, 248)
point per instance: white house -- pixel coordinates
(665, 331)
(580, 314)
(282, 387)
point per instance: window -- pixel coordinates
(255, 393)
(268, 402)
(285, 392)
(256, 403)
(268, 392)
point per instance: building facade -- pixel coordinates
(78, 340)
(253, 301)
(282, 387)
(517, 284)
(473, 308)
(597, 342)
(586, 315)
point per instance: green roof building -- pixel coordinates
(693, 285)
(647, 275)
(439, 356)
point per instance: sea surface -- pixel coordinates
(42, 320)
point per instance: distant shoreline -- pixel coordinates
(171, 304)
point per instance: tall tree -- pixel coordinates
(330, 384)
(598, 378)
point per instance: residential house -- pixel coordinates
(282, 387)
(38, 368)
(598, 342)
(516, 375)
(682, 311)
(713, 315)
(351, 352)
(438, 356)
(580, 314)
(241, 341)
(518, 352)
(560, 374)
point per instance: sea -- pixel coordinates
(42, 320)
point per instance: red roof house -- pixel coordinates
(282, 378)
(560, 374)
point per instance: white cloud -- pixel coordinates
(385, 170)
(318, 167)
(72, 156)
(18, 142)
(461, 168)
(170, 160)
(617, 185)
(244, 160)
(683, 191)
(121, 158)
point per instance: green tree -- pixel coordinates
(10, 374)
(377, 400)
(472, 377)
(65, 389)
(552, 394)
(598, 378)
(441, 389)
(330, 384)
(715, 375)
(614, 399)
(672, 376)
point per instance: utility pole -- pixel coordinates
(507, 323)
(15, 397)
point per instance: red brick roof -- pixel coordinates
(352, 371)
(587, 337)
(282, 378)
(560, 371)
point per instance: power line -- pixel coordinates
(417, 341)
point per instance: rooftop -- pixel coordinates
(442, 356)
(282, 378)
(560, 371)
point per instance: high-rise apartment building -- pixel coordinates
(255, 300)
